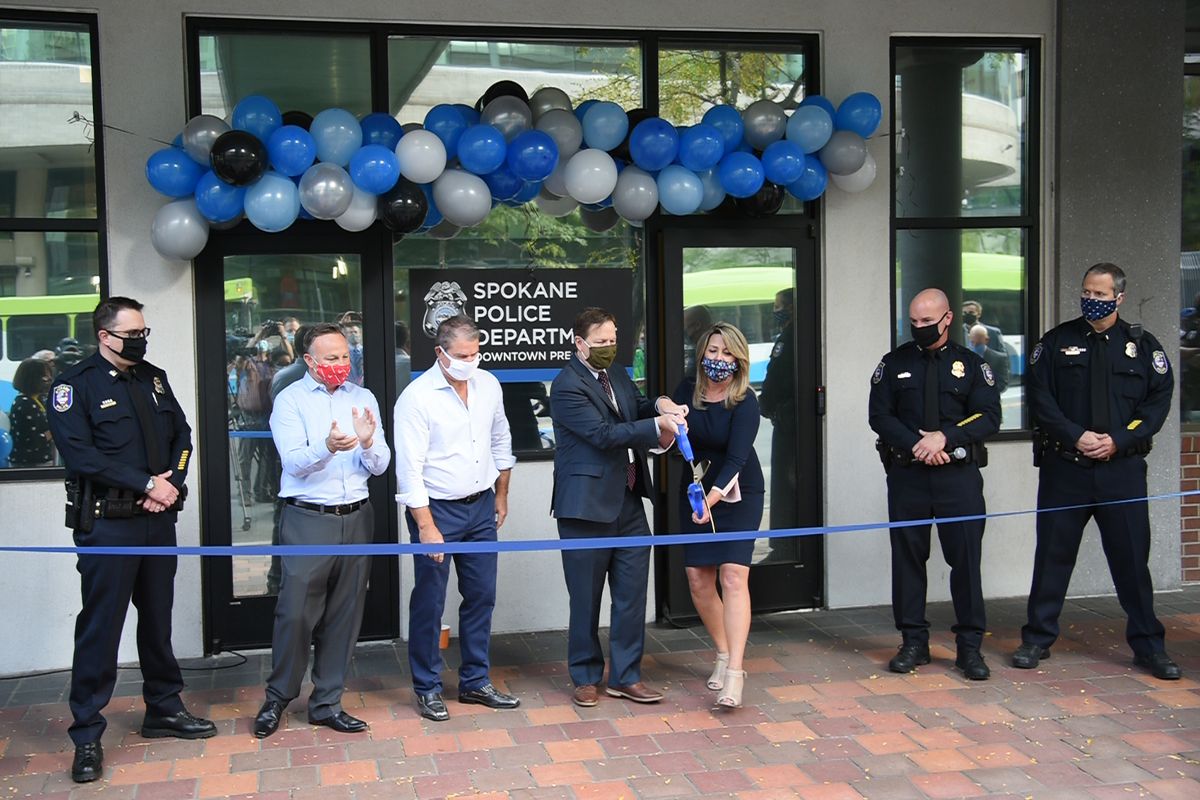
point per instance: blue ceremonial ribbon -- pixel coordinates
(531, 545)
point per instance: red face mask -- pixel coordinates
(333, 375)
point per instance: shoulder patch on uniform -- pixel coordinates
(1037, 353)
(878, 376)
(64, 397)
(1159, 360)
(988, 377)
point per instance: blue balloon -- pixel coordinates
(680, 190)
(503, 183)
(528, 192)
(812, 182)
(741, 174)
(291, 150)
(382, 129)
(860, 113)
(218, 201)
(178, 140)
(818, 100)
(273, 202)
(604, 125)
(810, 127)
(653, 144)
(482, 149)
(374, 169)
(470, 115)
(728, 121)
(6, 446)
(714, 192)
(171, 172)
(432, 216)
(338, 135)
(258, 115)
(447, 123)
(532, 155)
(583, 107)
(700, 147)
(783, 162)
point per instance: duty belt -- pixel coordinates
(1043, 443)
(972, 453)
(338, 511)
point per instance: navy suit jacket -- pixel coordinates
(591, 442)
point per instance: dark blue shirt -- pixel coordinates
(724, 436)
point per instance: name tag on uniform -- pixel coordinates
(904, 375)
(1073, 350)
(109, 403)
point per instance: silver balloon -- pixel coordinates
(548, 98)
(765, 123)
(556, 182)
(444, 230)
(326, 191)
(555, 206)
(200, 133)
(507, 114)
(359, 215)
(858, 180)
(844, 154)
(463, 198)
(636, 196)
(564, 128)
(179, 230)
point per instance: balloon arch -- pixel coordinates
(273, 168)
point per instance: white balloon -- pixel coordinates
(858, 180)
(360, 214)
(590, 176)
(463, 198)
(636, 194)
(422, 156)
(179, 230)
(555, 206)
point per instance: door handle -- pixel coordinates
(820, 401)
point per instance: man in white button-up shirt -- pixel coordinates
(453, 461)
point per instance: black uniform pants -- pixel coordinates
(1124, 535)
(920, 492)
(108, 583)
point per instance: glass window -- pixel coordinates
(1189, 258)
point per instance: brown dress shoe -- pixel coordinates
(587, 695)
(637, 692)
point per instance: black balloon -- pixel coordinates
(403, 207)
(499, 89)
(621, 151)
(727, 208)
(238, 158)
(598, 221)
(301, 119)
(763, 203)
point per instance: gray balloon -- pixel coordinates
(765, 123)
(507, 114)
(636, 195)
(599, 221)
(548, 98)
(179, 230)
(444, 230)
(556, 182)
(463, 198)
(326, 191)
(555, 206)
(844, 154)
(564, 128)
(200, 133)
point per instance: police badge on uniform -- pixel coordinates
(1159, 360)
(64, 396)
(445, 299)
(1131, 349)
(958, 369)
(878, 376)
(158, 387)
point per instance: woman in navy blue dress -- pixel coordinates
(721, 426)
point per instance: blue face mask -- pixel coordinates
(979, 348)
(1094, 309)
(718, 370)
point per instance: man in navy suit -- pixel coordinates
(602, 429)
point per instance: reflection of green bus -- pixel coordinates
(30, 324)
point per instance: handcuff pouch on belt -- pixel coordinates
(88, 501)
(1044, 443)
(970, 453)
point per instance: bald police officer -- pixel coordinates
(1099, 388)
(126, 446)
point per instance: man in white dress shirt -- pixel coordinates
(453, 462)
(330, 442)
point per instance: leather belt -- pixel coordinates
(338, 511)
(471, 498)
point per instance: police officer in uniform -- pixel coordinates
(1099, 388)
(933, 402)
(126, 446)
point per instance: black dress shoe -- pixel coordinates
(340, 722)
(181, 726)
(433, 707)
(1028, 655)
(911, 655)
(89, 762)
(972, 665)
(487, 695)
(1160, 665)
(267, 721)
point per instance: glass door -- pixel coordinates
(763, 281)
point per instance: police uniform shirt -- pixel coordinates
(968, 402)
(96, 426)
(1140, 383)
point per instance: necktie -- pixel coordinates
(1098, 365)
(932, 418)
(631, 467)
(141, 407)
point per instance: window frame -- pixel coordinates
(43, 225)
(1030, 221)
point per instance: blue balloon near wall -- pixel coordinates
(653, 144)
(741, 174)
(822, 102)
(701, 147)
(447, 123)
(532, 155)
(728, 121)
(812, 182)
(503, 184)
(291, 150)
(257, 115)
(338, 135)
(273, 203)
(810, 127)
(374, 169)
(583, 107)
(432, 216)
(680, 190)
(218, 201)
(860, 113)
(482, 149)
(470, 115)
(783, 162)
(381, 129)
(604, 125)
(172, 172)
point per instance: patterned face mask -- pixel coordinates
(718, 370)
(1094, 309)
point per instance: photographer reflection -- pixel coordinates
(696, 320)
(351, 325)
(255, 367)
(777, 403)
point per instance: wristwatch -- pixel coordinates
(150, 485)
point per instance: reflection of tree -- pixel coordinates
(1191, 164)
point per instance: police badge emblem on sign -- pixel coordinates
(1159, 360)
(445, 299)
(63, 397)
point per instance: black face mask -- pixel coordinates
(132, 350)
(970, 319)
(926, 335)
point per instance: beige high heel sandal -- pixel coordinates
(716, 681)
(731, 696)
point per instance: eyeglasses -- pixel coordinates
(144, 333)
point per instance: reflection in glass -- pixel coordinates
(1189, 260)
